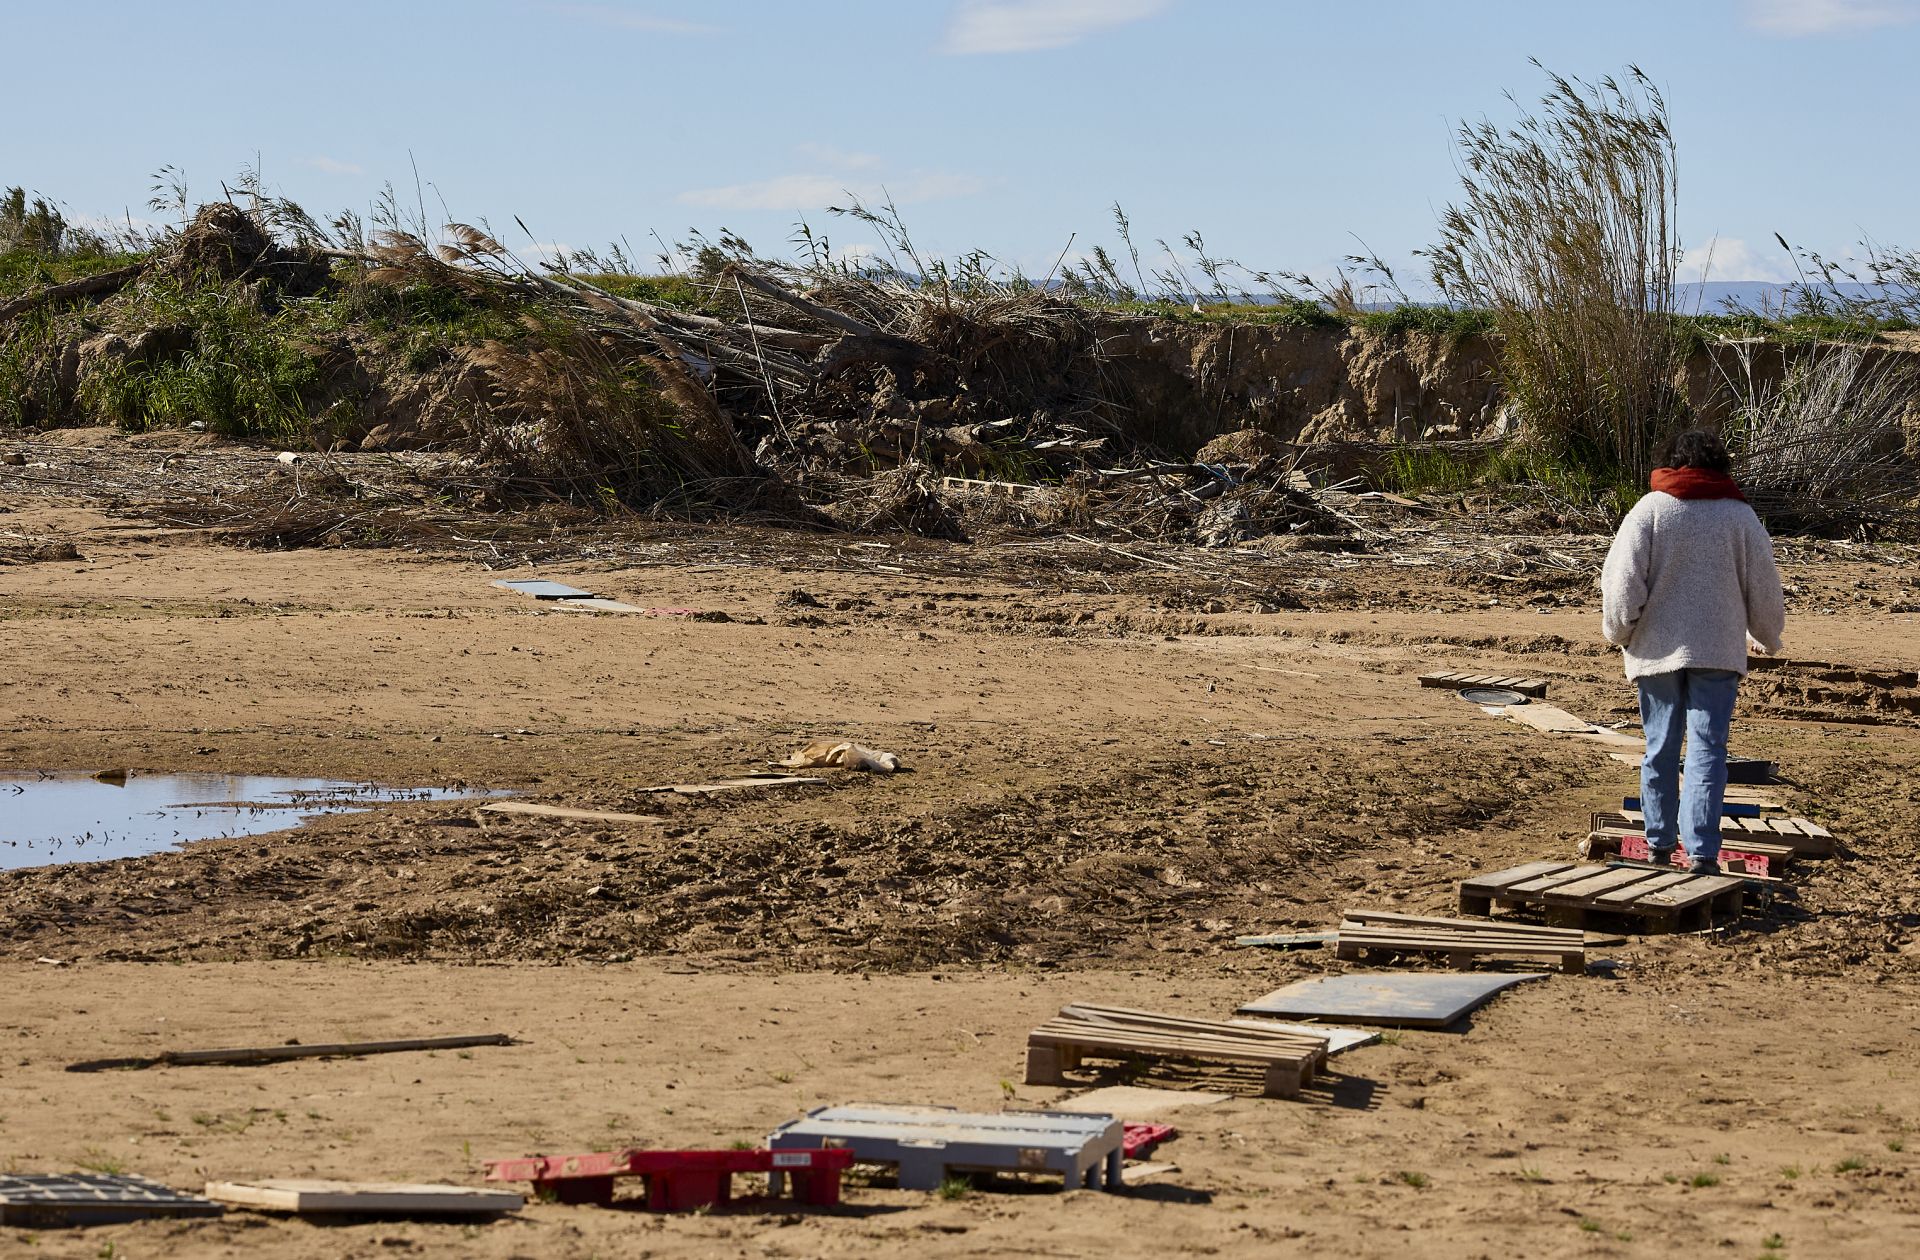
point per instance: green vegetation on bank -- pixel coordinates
(1415, 469)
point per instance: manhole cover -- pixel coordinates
(1492, 695)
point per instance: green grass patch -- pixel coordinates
(1452, 322)
(23, 271)
(676, 291)
(99, 1161)
(1584, 479)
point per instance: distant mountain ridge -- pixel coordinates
(1768, 297)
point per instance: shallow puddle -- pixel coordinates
(50, 819)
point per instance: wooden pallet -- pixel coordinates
(1737, 856)
(1803, 836)
(1288, 1059)
(1535, 687)
(1585, 896)
(1367, 933)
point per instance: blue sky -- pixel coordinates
(1281, 129)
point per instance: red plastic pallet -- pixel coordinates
(1634, 848)
(677, 1181)
(1139, 1138)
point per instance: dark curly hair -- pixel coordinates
(1693, 448)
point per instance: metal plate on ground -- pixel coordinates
(1409, 1000)
(44, 1199)
(1492, 695)
(543, 590)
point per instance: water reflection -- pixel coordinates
(47, 819)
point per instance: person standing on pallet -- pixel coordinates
(1688, 587)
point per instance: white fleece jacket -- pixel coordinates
(1686, 581)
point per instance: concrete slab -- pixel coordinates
(373, 1198)
(1338, 1039)
(542, 589)
(1135, 1102)
(1391, 998)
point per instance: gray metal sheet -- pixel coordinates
(544, 590)
(1411, 1000)
(91, 1199)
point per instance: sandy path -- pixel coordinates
(1107, 790)
(1572, 1118)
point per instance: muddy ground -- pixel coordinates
(1120, 761)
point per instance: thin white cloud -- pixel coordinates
(812, 192)
(1732, 259)
(1010, 26)
(839, 159)
(623, 18)
(545, 251)
(332, 166)
(1794, 18)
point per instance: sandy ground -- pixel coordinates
(1107, 788)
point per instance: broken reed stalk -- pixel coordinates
(1822, 443)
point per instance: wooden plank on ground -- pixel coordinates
(371, 1197)
(272, 1054)
(531, 810)
(1477, 925)
(1289, 940)
(596, 604)
(743, 783)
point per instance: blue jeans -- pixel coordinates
(1696, 703)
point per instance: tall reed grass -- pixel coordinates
(1566, 232)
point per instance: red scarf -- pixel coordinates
(1696, 483)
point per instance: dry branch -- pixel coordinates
(105, 284)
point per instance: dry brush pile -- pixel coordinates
(942, 400)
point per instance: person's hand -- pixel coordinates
(1756, 648)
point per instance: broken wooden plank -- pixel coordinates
(742, 783)
(1419, 920)
(530, 810)
(596, 604)
(1289, 940)
(273, 1054)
